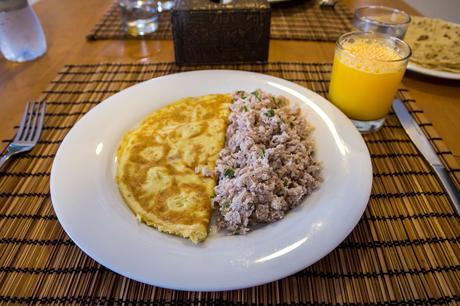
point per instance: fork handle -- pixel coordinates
(5, 158)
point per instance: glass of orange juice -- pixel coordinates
(367, 70)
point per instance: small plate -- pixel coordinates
(431, 72)
(90, 209)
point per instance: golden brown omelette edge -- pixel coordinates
(189, 189)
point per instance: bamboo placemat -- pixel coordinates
(405, 248)
(111, 27)
(305, 20)
(296, 20)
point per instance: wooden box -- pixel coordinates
(206, 32)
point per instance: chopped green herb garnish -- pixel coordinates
(240, 92)
(237, 230)
(213, 194)
(245, 108)
(262, 153)
(229, 172)
(280, 102)
(276, 101)
(225, 205)
(285, 182)
(256, 94)
(270, 112)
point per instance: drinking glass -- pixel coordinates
(367, 70)
(21, 35)
(381, 19)
(139, 17)
(165, 5)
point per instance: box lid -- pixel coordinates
(231, 5)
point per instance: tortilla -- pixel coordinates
(435, 44)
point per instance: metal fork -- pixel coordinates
(29, 131)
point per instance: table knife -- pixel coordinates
(424, 146)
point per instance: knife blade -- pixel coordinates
(424, 146)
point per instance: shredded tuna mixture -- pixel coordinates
(267, 166)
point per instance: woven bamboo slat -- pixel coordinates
(301, 20)
(405, 248)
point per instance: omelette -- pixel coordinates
(163, 165)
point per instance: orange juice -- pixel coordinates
(365, 77)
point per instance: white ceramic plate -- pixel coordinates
(431, 72)
(92, 212)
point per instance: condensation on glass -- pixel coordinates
(21, 35)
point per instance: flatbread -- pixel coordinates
(435, 43)
(157, 165)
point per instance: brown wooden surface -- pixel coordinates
(67, 22)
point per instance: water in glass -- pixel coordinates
(139, 17)
(21, 35)
(165, 5)
(381, 19)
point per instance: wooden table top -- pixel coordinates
(66, 24)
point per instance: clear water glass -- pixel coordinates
(381, 19)
(165, 5)
(21, 35)
(139, 17)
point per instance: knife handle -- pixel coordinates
(446, 181)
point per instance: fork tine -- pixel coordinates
(42, 110)
(30, 115)
(23, 121)
(34, 115)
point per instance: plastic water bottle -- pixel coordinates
(21, 35)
